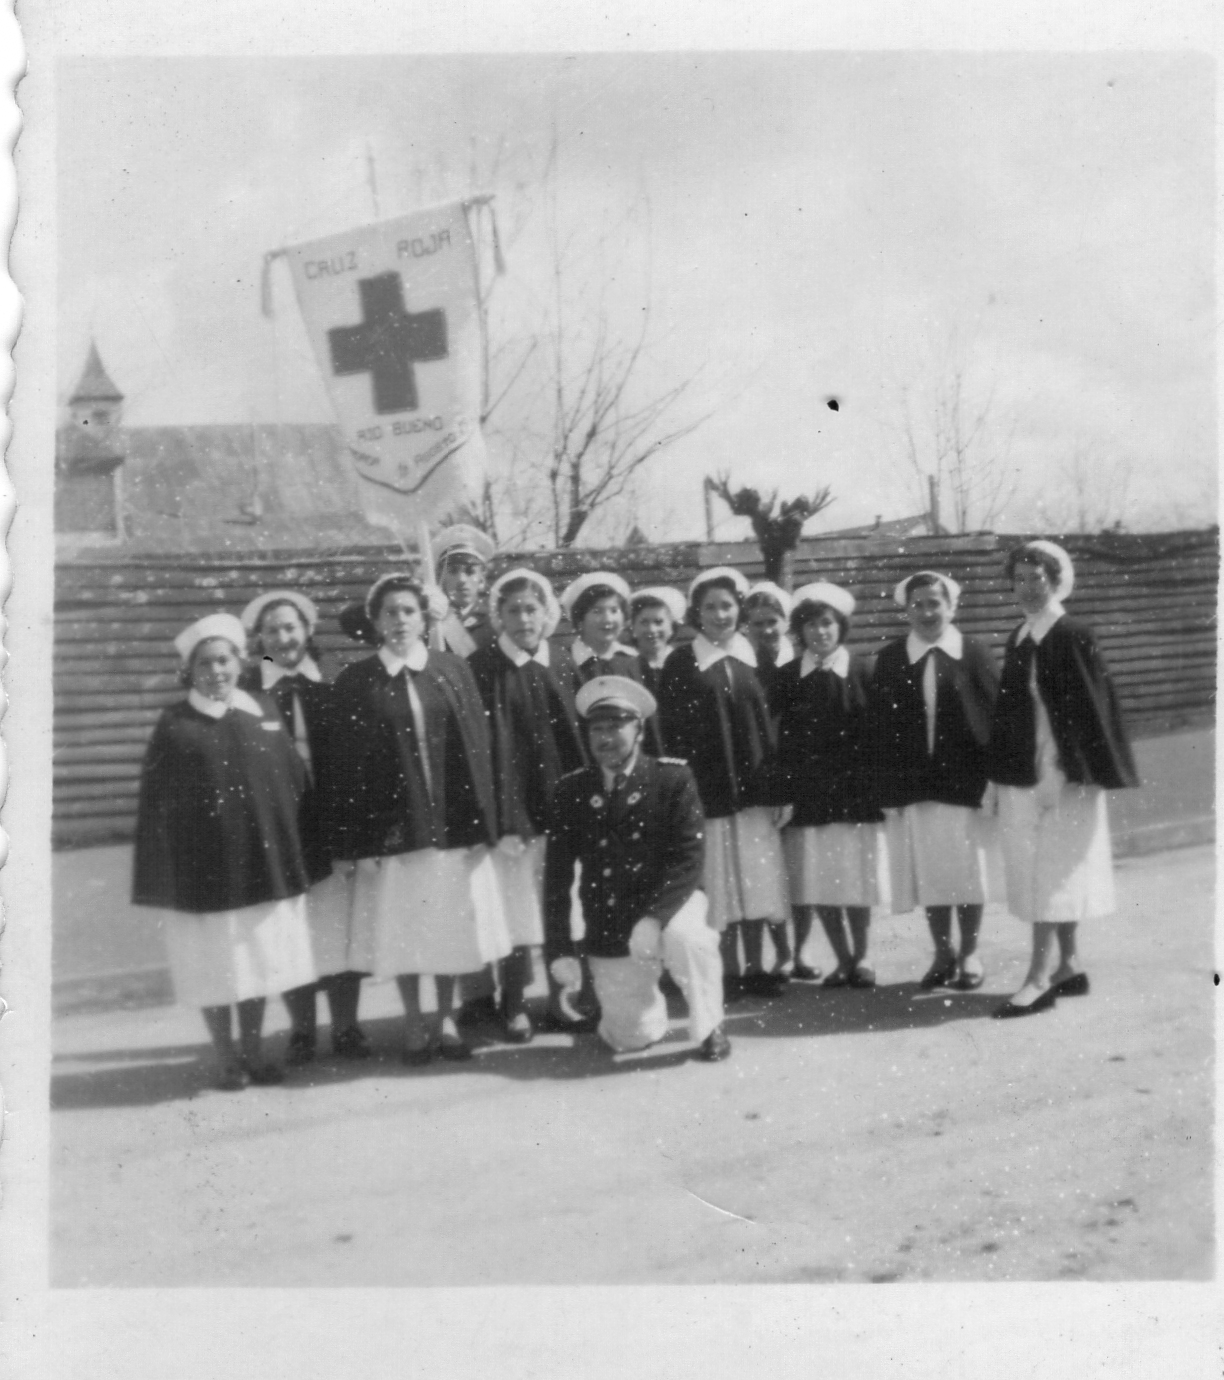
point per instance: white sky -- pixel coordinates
(814, 224)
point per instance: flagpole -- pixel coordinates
(373, 179)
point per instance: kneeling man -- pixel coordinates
(634, 822)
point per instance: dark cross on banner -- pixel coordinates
(388, 342)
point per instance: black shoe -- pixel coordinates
(765, 984)
(352, 1043)
(1008, 1011)
(939, 974)
(715, 1047)
(301, 1048)
(456, 1050)
(1074, 986)
(802, 973)
(417, 1058)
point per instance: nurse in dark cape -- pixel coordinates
(715, 716)
(1057, 744)
(527, 685)
(219, 848)
(280, 626)
(410, 800)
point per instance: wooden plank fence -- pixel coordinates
(1151, 599)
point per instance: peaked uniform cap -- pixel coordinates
(254, 610)
(671, 599)
(823, 592)
(615, 695)
(462, 540)
(576, 588)
(211, 625)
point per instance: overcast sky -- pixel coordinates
(799, 225)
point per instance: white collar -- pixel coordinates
(216, 709)
(581, 653)
(950, 641)
(838, 661)
(418, 655)
(519, 656)
(1041, 623)
(786, 652)
(272, 671)
(707, 652)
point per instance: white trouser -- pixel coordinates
(634, 1010)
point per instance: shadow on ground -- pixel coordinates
(146, 1076)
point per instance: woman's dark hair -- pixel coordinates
(762, 599)
(925, 581)
(400, 584)
(522, 585)
(700, 591)
(184, 676)
(1034, 555)
(311, 649)
(641, 602)
(591, 596)
(812, 608)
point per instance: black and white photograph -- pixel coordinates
(611, 702)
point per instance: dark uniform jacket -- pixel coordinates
(718, 721)
(955, 773)
(534, 730)
(1079, 697)
(641, 853)
(380, 800)
(824, 744)
(218, 822)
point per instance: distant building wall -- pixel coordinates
(1150, 598)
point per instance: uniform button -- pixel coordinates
(603, 843)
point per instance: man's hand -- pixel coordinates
(511, 845)
(782, 815)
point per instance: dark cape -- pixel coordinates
(1079, 697)
(380, 800)
(218, 823)
(641, 854)
(536, 738)
(316, 698)
(824, 744)
(955, 773)
(721, 726)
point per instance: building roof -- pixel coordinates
(95, 383)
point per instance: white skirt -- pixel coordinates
(941, 855)
(1056, 852)
(835, 865)
(432, 910)
(329, 913)
(222, 957)
(744, 876)
(520, 881)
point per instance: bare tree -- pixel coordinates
(1091, 493)
(777, 527)
(955, 442)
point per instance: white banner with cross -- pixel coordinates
(393, 314)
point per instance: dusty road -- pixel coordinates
(853, 1136)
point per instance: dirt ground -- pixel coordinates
(880, 1136)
